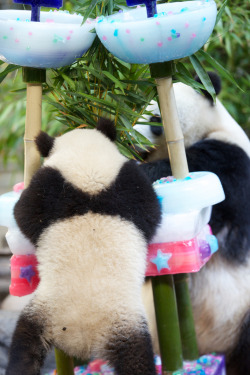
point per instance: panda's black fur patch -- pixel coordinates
(238, 362)
(125, 348)
(107, 127)
(50, 198)
(44, 143)
(27, 350)
(232, 166)
(156, 130)
(216, 82)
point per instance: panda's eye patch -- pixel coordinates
(156, 130)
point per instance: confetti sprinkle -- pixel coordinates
(193, 35)
(204, 19)
(5, 37)
(186, 25)
(157, 23)
(68, 37)
(104, 38)
(127, 31)
(169, 38)
(30, 33)
(142, 39)
(159, 44)
(17, 40)
(116, 32)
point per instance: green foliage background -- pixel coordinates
(99, 84)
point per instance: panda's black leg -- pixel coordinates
(28, 348)
(238, 362)
(130, 351)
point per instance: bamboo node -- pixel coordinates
(176, 141)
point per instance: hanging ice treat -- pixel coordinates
(24, 274)
(184, 242)
(43, 39)
(177, 30)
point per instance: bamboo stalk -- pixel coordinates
(64, 363)
(185, 313)
(172, 128)
(168, 315)
(179, 167)
(32, 157)
(167, 323)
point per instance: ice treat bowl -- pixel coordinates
(196, 191)
(178, 30)
(57, 40)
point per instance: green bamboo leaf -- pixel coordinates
(124, 150)
(69, 81)
(224, 72)
(115, 80)
(89, 9)
(189, 81)
(183, 70)
(219, 14)
(10, 68)
(204, 77)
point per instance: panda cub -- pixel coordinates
(220, 292)
(90, 213)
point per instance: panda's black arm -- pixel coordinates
(35, 209)
(232, 166)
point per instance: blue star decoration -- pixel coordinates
(27, 273)
(161, 260)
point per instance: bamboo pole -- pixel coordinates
(32, 129)
(167, 323)
(64, 363)
(172, 128)
(179, 167)
(182, 313)
(185, 313)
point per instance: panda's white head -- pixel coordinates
(87, 158)
(199, 118)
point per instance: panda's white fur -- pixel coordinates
(198, 119)
(98, 171)
(220, 292)
(91, 305)
(90, 213)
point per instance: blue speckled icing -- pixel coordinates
(178, 30)
(57, 40)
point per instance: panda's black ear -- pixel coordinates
(216, 81)
(107, 127)
(44, 143)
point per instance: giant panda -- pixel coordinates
(90, 213)
(220, 292)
